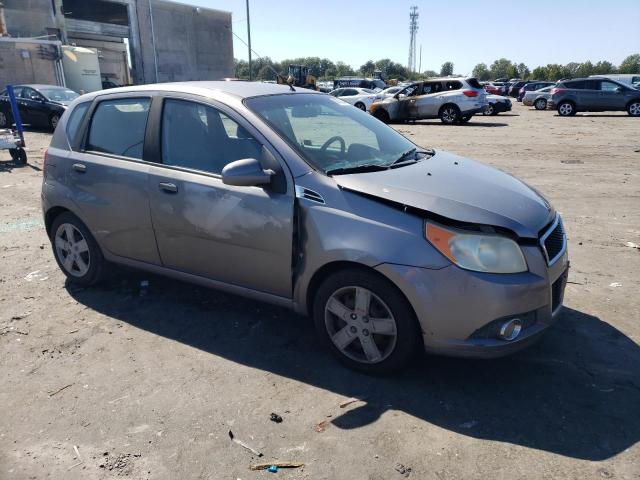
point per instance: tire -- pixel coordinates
(633, 108)
(5, 119)
(465, 119)
(387, 352)
(566, 109)
(449, 114)
(53, 121)
(382, 115)
(82, 263)
(18, 155)
(540, 104)
(361, 106)
(489, 110)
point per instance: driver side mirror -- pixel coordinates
(619, 90)
(246, 173)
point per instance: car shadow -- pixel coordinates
(599, 115)
(8, 165)
(470, 123)
(575, 393)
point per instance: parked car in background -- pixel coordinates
(295, 198)
(107, 84)
(628, 79)
(358, 82)
(593, 95)
(361, 98)
(532, 86)
(39, 105)
(514, 88)
(495, 88)
(453, 100)
(497, 104)
(537, 98)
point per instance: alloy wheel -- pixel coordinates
(634, 109)
(488, 110)
(449, 115)
(565, 109)
(72, 250)
(360, 325)
(541, 104)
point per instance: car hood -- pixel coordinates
(459, 189)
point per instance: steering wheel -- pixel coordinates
(343, 146)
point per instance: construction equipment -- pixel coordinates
(10, 139)
(298, 76)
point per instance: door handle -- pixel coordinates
(168, 187)
(79, 167)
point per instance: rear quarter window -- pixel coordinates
(118, 127)
(75, 119)
(578, 84)
(474, 83)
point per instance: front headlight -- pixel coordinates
(479, 252)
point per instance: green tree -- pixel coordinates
(540, 73)
(481, 72)
(523, 71)
(343, 70)
(429, 73)
(368, 68)
(604, 67)
(446, 69)
(502, 68)
(631, 64)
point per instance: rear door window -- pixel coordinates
(608, 86)
(118, 127)
(577, 84)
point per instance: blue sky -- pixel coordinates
(465, 32)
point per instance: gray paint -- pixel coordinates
(240, 239)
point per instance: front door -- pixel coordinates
(612, 96)
(35, 108)
(237, 235)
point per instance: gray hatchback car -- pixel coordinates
(296, 198)
(593, 95)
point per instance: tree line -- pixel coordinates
(265, 68)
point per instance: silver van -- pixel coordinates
(296, 198)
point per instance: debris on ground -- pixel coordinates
(21, 316)
(615, 284)
(264, 466)
(321, 427)
(244, 445)
(276, 418)
(55, 392)
(632, 245)
(402, 470)
(273, 469)
(349, 401)
(122, 464)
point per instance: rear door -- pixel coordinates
(237, 235)
(108, 176)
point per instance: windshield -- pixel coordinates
(59, 94)
(329, 133)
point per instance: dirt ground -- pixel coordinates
(145, 382)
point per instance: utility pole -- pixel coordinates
(249, 38)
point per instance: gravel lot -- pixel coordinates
(146, 382)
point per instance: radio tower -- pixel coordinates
(413, 29)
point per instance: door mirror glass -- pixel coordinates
(246, 173)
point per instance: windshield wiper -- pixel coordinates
(367, 167)
(404, 158)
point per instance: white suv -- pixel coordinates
(453, 100)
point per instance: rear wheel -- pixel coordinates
(489, 110)
(540, 104)
(449, 114)
(53, 121)
(633, 108)
(76, 251)
(18, 155)
(361, 106)
(5, 120)
(465, 118)
(566, 109)
(365, 322)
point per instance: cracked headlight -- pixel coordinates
(479, 252)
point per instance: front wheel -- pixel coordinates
(361, 106)
(489, 110)
(465, 118)
(634, 109)
(365, 322)
(449, 114)
(566, 109)
(53, 121)
(76, 251)
(18, 155)
(5, 120)
(541, 104)
(382, 115)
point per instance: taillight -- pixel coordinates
(470, 93)
(556, 90)
(44, 162)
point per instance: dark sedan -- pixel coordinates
(39, 105)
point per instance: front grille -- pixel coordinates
(554, 241)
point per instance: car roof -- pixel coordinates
(38, 86)
(237, 88)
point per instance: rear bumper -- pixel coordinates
(459, 310)
(502, 106)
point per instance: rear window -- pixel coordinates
(474, 83)
(578, 84)
(75, 119)
(118, 127)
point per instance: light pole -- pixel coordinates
(249, 38)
